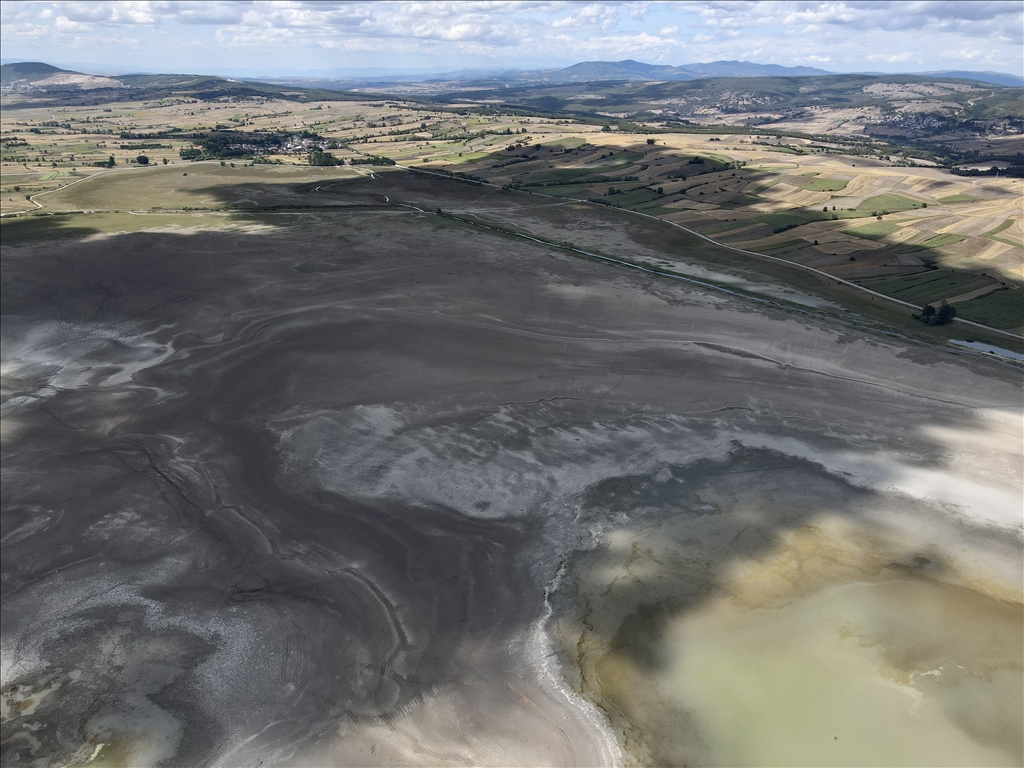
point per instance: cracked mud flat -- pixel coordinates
(371, 487)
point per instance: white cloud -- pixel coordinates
(593, 15)
(890, 58)
(849, 34)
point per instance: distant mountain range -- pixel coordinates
(29, 75)
(996, 78)
(638, 70)
(607, 71)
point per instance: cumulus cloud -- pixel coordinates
(533, 33)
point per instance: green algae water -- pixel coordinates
(907, 671)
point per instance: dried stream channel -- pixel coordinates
(371, 486)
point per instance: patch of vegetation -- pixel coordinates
(562, 175)
(888, 203)
(570, 142)
(784, 245)
(1000, 309)
(961, 198)
(726, 227)
(581, 191)
(785, 227)
(656, 210)
(319, 158)
(994, 234)
(631, 198)
(820, 184)
(372, 160)
(795, 217)
(1007, 223)
(942, 316)
(927, 287)
(875, 230)
(947, 238)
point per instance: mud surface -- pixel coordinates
(347, 488)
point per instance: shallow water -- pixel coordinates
(764, 634)
(906, 671)
(991, 349)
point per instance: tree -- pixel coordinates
(927, 312)
(165, 161)
(650, 141)
(142, 160)
(110, 162)
(318, 157)
(945, 314)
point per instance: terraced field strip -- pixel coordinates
(976, 294)
(1007, 224)
(930, 287)
(947, 238)
(876, 230)
(821, 184)
(1001, 308)
(707, 239)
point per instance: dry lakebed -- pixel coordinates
(371, 479)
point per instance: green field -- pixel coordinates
(1005, 225)
(632, 198)
(796, 216)
(1001, 309)
(888, 203)
(940, 240)
(656, 210)
(785, 245)
(821, 184)
(725, 227)
(582, 191)
(569, 142)
(927, 287)
(994, 234)
(574, 174)
(876, 230)
(961, 198)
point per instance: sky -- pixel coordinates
(334, 38)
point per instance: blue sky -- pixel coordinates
(254, 38)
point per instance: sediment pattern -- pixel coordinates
(343, 488)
